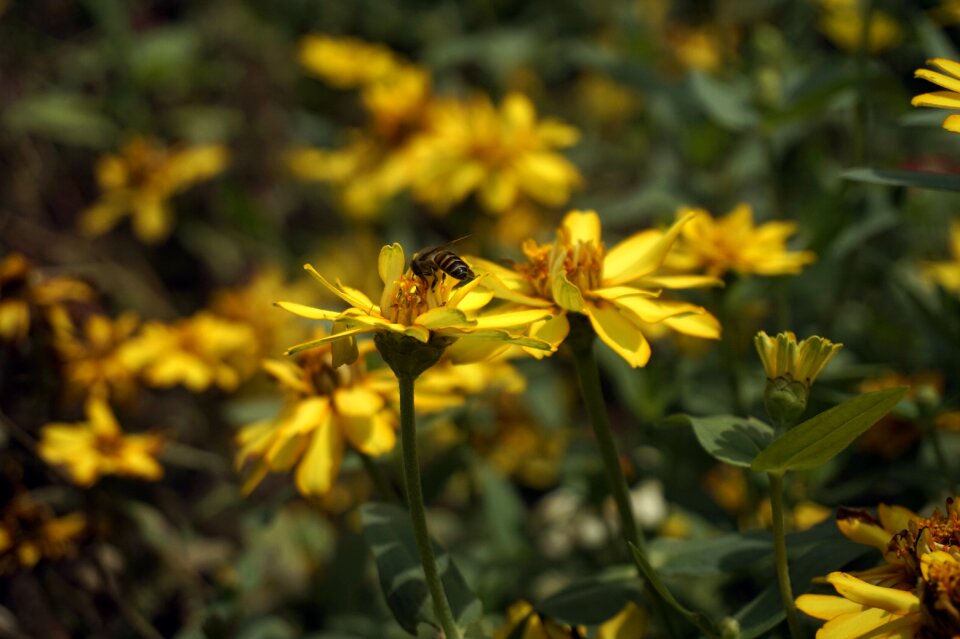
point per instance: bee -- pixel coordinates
(425, 264)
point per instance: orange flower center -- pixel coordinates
(414, 296)
(322, 377)
(941, 595)
(583, 264)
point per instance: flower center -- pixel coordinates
(941, 596)
(413, 295)
(583, 264)
(108, 445)
(320, 373)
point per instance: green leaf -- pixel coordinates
(591, 601)
(723, 555)
(823, 437)
(696, 618)
(893, 177)
(70, 118)
(388, 530)
(732, 440)
(726, 103)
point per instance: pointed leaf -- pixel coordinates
(590, 602)
(894, 177)
(823, 437)
(732, 440)
(388, 531)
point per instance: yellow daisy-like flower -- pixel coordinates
(97, 447)
(200, 351)
(26, 292)
(93, 359)
(29, 532)
(346, 63)
(618, 290)
(700, 48)
(139, 181)
(629, 623)
(328, 407)
(842, 22)
(501, 154)
(949, 99)
(947, 273)
(417, 307)
(785, 358)
(734, 243)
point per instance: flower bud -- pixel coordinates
(785, 400)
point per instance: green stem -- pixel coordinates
(418, 516)
(589, 378)
(780, 551)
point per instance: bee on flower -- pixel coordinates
(89, 450)
(139, 181)
(618, 290)
(26, 294)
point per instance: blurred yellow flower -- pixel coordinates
(629, 623)
(842, 22)
(734, 243)
(200, 351)
(501, 154)
(947, 273)
(602, 99)
(325, 407)
(25, 291)
(700, 48)
(417, 307)
(785, 358)
(93, 356)
(949, 99)
(346, 62)
(29, 532)
(97, 447)
(618, 290)
(141, 178)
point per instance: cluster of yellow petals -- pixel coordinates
(198, 352)
(784, 357)
(915, 594)
(418, 308)
(842, 22)
(629, 623)
(618, 290)
(97, 447)
(441, 149)
(26, 292)
(734, 243)
(139, 181)
(29, 532)
(949, 79)
(96, 358)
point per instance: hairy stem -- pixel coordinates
(780, 552)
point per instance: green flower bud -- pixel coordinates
(785, 400)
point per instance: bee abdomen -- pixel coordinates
(454, 266)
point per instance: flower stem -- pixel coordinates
(589, 378)
(418, 517)
(780, 552)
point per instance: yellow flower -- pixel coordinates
(97, 447)
(326, 408)
(29, 532)
(139, 181)
(501, 154)
(785, 358)
(346, 62)
(25, 291)
(949, 99)
(733, 243)
(947, 273)
(198, 352)
(92, 358)
(415, 307)
(617, 290)
(699, 48)
(842, 22)
(629, 623)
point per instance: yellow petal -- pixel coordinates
(864, 532)
(938, 99)
(952, 84)
(512, 319)
(652, 311)
(619, 333)
(827, 607)
(349, 296)
(889, 599)
(895, 518)
(442, 317)
(391, 263)
(630, 623)
(308, 312)
(370, 434)
(152, 219)
(102, 216)
(945, 64)
(678, 281)
(622, 266)
(357, 400)
(952, 123)
(293, 350)
(855, 625)
(582, 226)
(321, 463)
(101, 417)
